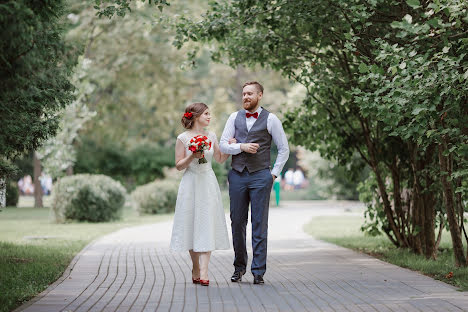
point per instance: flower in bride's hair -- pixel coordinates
(188, 115)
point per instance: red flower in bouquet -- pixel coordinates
(200, 143)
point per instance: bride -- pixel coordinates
(199, 222)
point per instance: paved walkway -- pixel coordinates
(133, 270)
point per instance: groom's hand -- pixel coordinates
(249, 147)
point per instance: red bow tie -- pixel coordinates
(254, 115)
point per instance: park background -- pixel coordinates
(374, 107)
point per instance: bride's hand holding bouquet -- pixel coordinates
(197, 145)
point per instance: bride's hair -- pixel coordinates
(196, 109)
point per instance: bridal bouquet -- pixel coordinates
(200, 143)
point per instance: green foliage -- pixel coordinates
(221, 172)
(7, 168)
(374, 215)
(109, 8)
(84, 197)
(328, 179)
(385, 80)
(109, 159)
(58, 153)
(142, 84)
(138, 90)
(137, 166)
(156, 197)
(345, 178)
(35, 66)
(12, 194)
(24, 165)
(419, 92)
(147, 162)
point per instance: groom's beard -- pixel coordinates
(250, 105)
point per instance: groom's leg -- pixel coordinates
(239, 207)
(259, 190)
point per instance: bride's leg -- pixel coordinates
(195, 264)
(204, 261)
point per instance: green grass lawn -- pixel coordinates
(28, 263)
(345, 231)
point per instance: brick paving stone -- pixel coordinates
(134, 270)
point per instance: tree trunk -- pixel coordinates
(423, 202)
(439, 236)
(415, 220)
(447, 189)
(69, 171)
(2, 192)
(429, 223)
(37, 183)
(381, 186)
(416, 201)
(397, 202)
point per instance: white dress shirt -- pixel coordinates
(275, 129)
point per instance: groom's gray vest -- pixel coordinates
(257, 134)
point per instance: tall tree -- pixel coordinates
(361, 102)
(58, 153)
(35, 65)
(143, 83)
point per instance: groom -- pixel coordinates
(250, 179)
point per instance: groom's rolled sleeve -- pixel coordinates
(228, 133)
(281, 142)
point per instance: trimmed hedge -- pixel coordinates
(86, 197)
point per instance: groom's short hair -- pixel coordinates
(258, 85)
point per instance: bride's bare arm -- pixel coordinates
(182, 161)
(218, 155)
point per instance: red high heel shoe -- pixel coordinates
(195, 280)
(204, 282)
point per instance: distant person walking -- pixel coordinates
(298, 178)
(289, 179)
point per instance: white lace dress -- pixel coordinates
(199, 221)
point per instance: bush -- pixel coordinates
(85, 197)
(106, 158)
(133, 167)
(12, 194)
(147, 162)
(156, 197)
